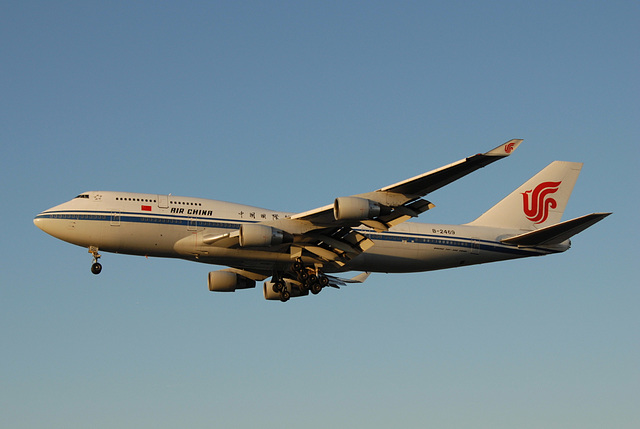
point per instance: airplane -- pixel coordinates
(303, 252)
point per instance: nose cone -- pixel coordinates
(62, 222)
(57, 225)
(43, 221)
(52, 221)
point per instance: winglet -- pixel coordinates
(505, 149)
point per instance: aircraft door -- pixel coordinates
(475, 247)
(114, 219)
(163, 201)
(193, 224)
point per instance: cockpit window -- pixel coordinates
(83, 196)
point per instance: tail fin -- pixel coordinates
(538, 203)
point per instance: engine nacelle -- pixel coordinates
(354, 208)
(227, 281)
(256, 235)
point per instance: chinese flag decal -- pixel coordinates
(146, 208)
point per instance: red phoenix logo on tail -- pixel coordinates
(537, 202)
(508, 148)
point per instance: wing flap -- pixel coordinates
(337, 246)
(326, 255)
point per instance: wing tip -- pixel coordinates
(505, 149)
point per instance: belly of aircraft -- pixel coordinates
(390, 256)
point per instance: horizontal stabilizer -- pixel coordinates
(336, 282)
(360, 278)
(556, 234)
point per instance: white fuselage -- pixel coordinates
(171, 226)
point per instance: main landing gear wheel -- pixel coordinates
(310, 280)
(316, 288)
(304, 289)
(278, 286)
(96, 267)
(298, 267)
(324, 281)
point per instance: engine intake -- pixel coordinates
(256, 235)
(354, 208)
(227, 281)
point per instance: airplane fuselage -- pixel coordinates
(366, 232)
(177, 227)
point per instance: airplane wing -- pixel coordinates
(327, 233)
(404, 198)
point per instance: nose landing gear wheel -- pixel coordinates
(96, 268)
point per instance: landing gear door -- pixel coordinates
(163, 201)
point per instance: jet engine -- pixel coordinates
(354, 208)
(227, 281)
(256, 235)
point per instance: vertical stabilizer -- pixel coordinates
(538, 203)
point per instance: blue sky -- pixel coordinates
(288, 105)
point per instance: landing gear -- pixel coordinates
(324, 281)
(316, 288)
(96, 267)
(310, 279)
(296, 280)
(278, 286)
(297, 267)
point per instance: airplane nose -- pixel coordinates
(40, 222)
(47, 223)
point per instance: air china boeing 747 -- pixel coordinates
(300, 251)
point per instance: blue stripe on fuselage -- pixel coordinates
(234, 224)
